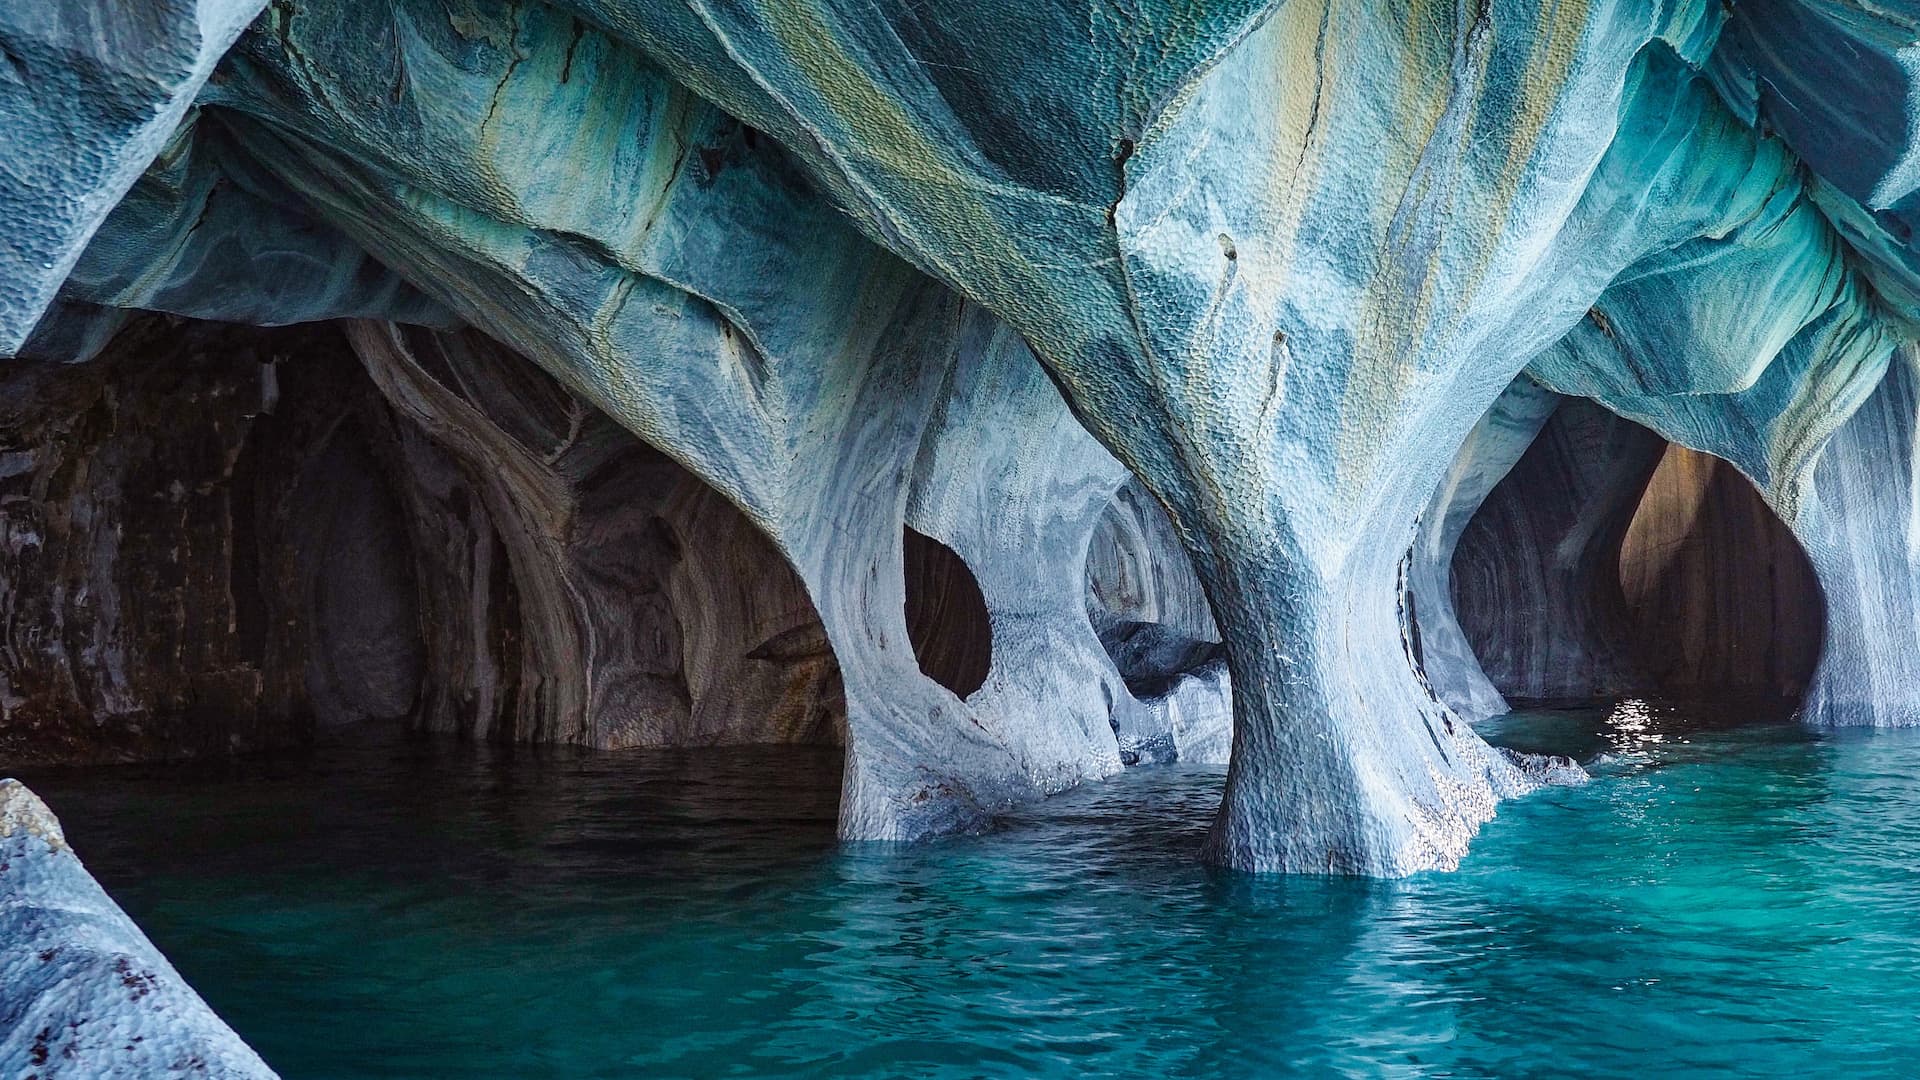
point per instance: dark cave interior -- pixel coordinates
(1609, 564)
(225, 538)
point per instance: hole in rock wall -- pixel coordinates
(225, 539)
(1608, 564)
(1145, 603)
(1144, 599)
(947, 620)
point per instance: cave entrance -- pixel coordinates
(1610, 565)
(272, 534)
(215, 558)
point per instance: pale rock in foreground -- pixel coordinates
(83, 993)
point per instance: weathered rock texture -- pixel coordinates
(877, 268)
(1862, 535)
(576, 585)
(200, 550)
(1152, 616)
(219, 538)
(86, 994)
(89, 91)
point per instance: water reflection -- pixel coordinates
(1630, 728)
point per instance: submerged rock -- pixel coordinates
(86, 994)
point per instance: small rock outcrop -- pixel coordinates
(86, 994)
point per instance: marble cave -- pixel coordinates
(1212, 465)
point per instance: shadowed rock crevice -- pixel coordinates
(1536, 575)
(1146, 604)
(365, 654)
(1719, 597)
(947, 618)
(1446, 658)
(580, 585)
(220, 538)
(204, 551)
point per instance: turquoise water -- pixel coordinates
(1724, 895)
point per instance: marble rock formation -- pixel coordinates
(1496, 444)
(574, 584)
(1152, 615)
(1010, 331)
(1605, 563)
(86, 994)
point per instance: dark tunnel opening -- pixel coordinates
(1609, 565)
(235, 539)
(947, 620)
(1719, 595)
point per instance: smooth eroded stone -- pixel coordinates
(872, 269)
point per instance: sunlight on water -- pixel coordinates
(1726, 894)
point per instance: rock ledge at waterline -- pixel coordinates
(87, 995)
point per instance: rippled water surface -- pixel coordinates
(1725, 894)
